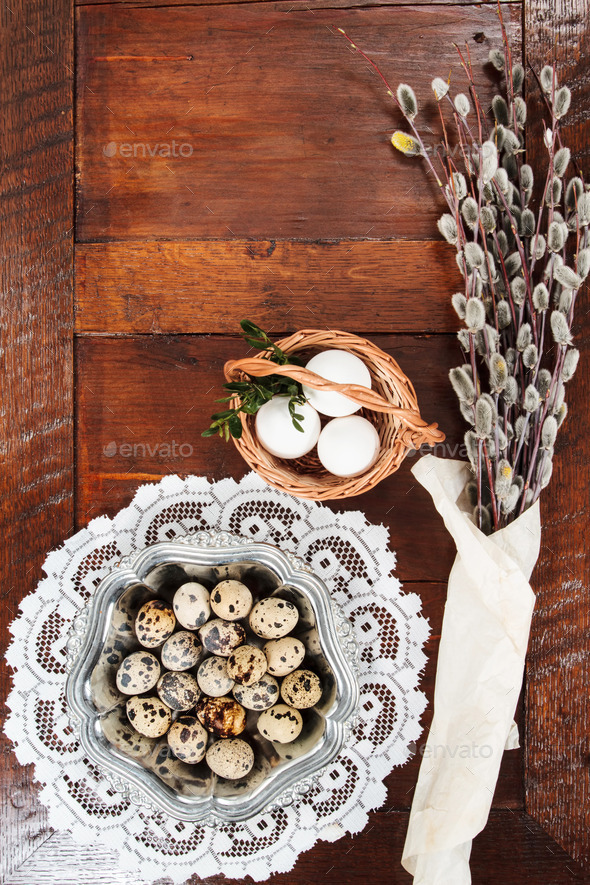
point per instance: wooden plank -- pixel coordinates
(258, 121)
(558, 707)
(143, 402)
(36, 309)
(305, 4)
(209, 286)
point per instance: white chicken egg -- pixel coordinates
(277, 433)
(343, 368)
(348, 446)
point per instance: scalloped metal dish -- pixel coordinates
(287, 779)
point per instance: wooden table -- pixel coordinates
(169, 169)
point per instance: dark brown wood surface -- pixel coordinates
(308, 5)
(210, 286)
(141, 394)
(241, 95)
(291, 208)
(558, 738)
(36, 320)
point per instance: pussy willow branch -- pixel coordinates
(488, 278)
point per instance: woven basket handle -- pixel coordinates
(415, 432)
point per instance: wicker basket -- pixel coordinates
(391, 406)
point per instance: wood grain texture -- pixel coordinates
(143, 402)
(304, 4)
(557, 770)
(256, 120)
(262, 148)
(210, 286)
(36, 316)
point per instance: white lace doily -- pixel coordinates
(351, 556)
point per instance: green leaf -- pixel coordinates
(238, 386)
(252, 329)
(248, 396)
(235, 426)
(257, 343)
(251, 408)
(279, 356)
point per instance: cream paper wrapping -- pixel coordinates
(481, 658)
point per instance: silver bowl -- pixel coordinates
(143, 769)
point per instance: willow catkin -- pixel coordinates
(560, 328)
(407, 99)
(547, 78)
(570, 364)
(448, 228)
(475, 315)
(440, 88)
(517, 77)
(549, 432)
(462, 104)
(532, 400)
(463, 386)
(540, 297)
(483, 418)
(561, 161)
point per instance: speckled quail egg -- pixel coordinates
(281, 723)
(118, 731)
(221, 637)
(231, 600)
(301, 689)
(180, 691)
(191, 605)
(188, 739)
(138, 673)
(260, 696)
(223, 717)
(273, 617)
(182, 651)
(149, 716)
(246, 783)
(185, 780)
(154, 623)
(212, 677)
(246, 665)
(230, 759)
(283, 655)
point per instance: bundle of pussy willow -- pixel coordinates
(523, 259)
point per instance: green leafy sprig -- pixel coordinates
(248, 396)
